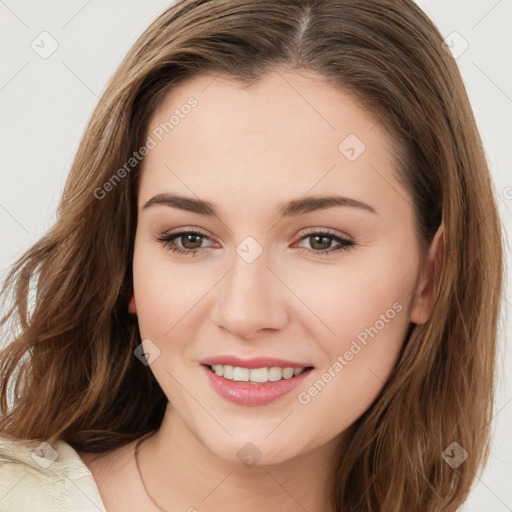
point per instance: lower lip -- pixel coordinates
(244, 393)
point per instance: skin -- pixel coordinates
(247, 151)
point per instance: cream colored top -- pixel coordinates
(37, 476)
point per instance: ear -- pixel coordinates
(429, 280)
(132, 309)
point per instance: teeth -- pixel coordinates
(258, 374)
(240, 374)
(226, 372)
(255, 375)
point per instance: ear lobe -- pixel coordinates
(429, 280)
(132, 309)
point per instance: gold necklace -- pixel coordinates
(139, 442)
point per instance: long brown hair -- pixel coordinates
(73, 342)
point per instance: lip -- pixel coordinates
(255, 362)
(247, 394)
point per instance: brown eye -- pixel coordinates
(320, 242)
(190, 241)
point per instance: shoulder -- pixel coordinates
(117, 478)
(38, 475)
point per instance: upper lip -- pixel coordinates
(255, 362)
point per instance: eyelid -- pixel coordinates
(185, 230)
(327, 231)
(178, 231)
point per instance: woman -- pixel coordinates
(274, 279)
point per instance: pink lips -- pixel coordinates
(248, 394)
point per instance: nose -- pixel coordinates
(251, 299)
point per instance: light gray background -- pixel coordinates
(45, 103)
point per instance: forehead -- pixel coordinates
(300, 108)
(287, 134)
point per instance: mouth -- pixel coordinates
(254, 386)
(264, 375)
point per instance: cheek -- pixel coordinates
(349, 298)
(366, 309)
(164, 293)
(359, 360)
(149, 285)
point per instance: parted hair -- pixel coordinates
(68, 370)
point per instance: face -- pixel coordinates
(258, 272)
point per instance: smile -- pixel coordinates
(248, 393)
(255, 375)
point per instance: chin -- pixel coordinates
(258, 450)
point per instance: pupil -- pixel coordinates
(198, 239)
(315, 237)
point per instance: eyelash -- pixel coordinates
(167, 238)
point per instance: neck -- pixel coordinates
(181, 473)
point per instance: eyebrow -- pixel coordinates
(289, 209)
